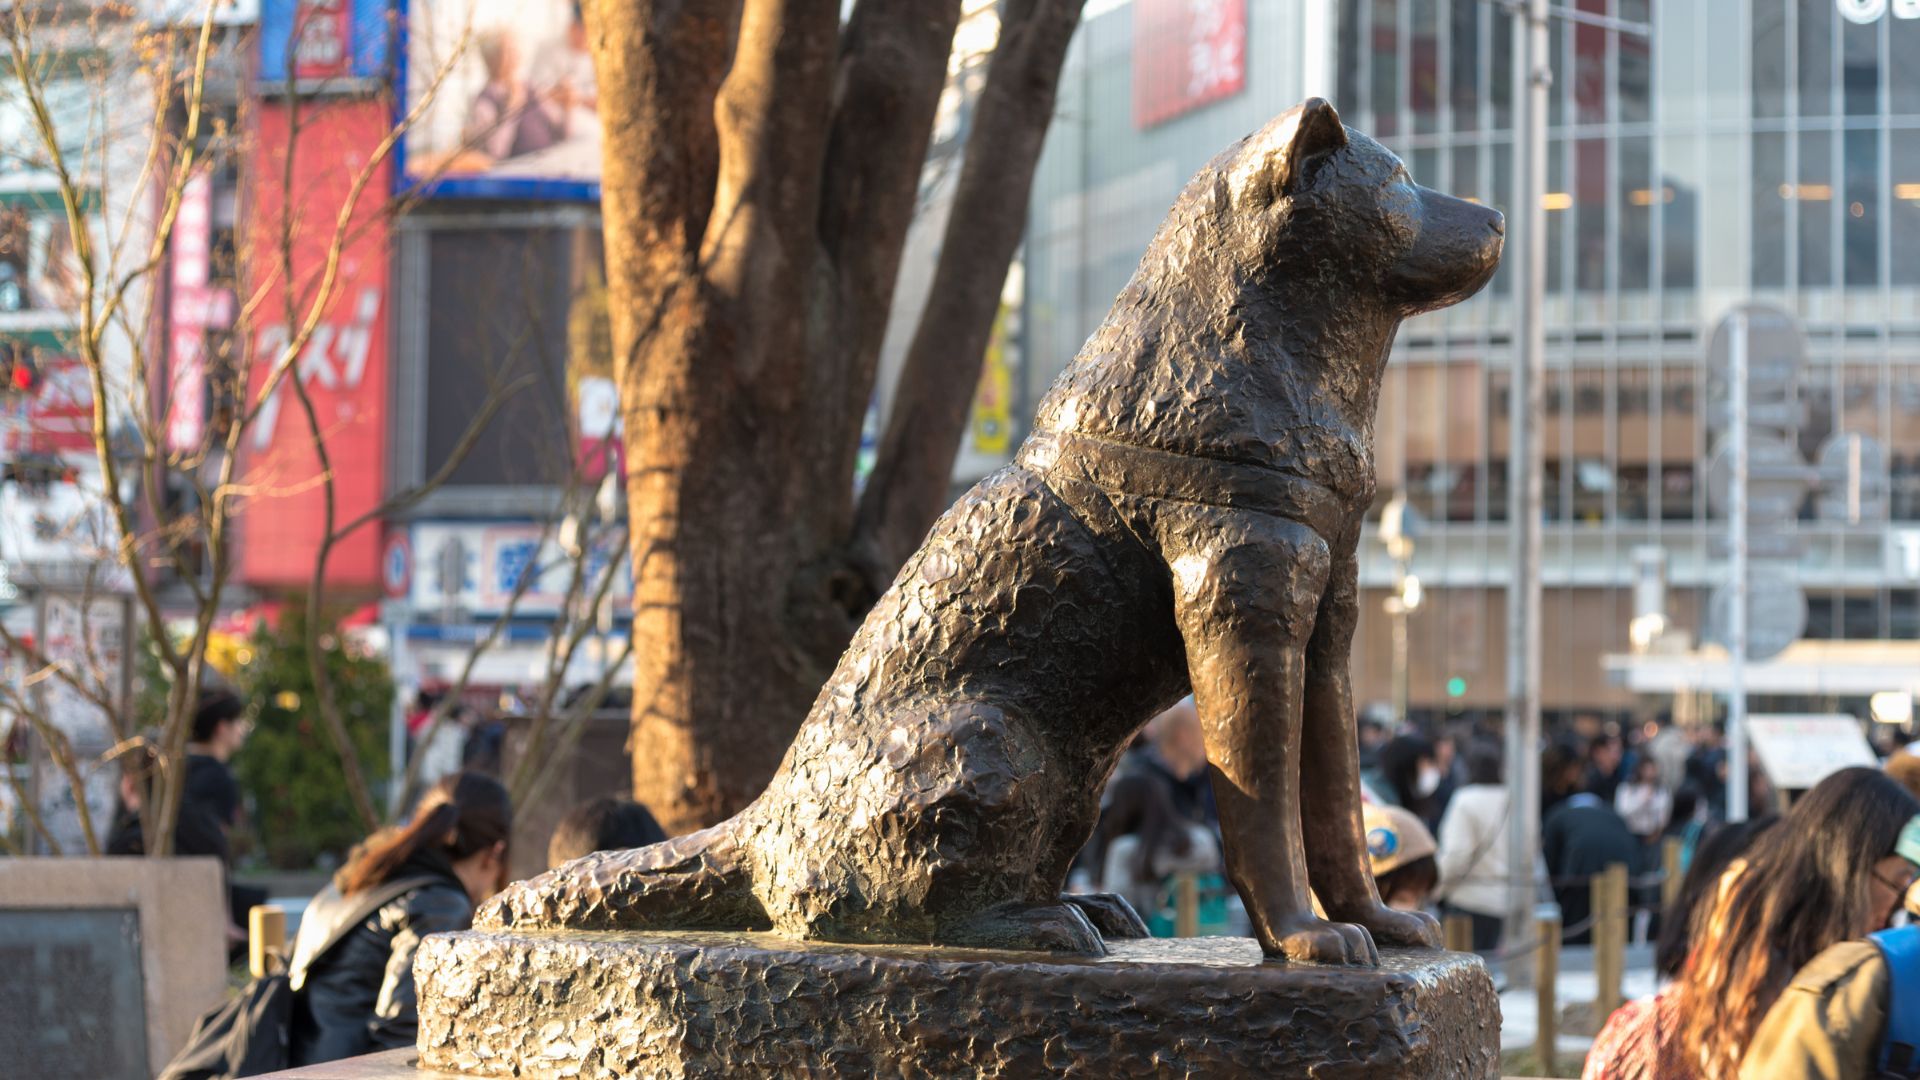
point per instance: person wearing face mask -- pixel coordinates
(354, 991)
(1410, 775)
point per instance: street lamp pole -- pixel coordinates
(1534, 76)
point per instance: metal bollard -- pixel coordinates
(1546, 975)
(1186, 906)
(266, 939)
(1459, 932)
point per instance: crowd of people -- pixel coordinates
(1765, 954)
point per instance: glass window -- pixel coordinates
(1814, 200)
(1860, 67)
(1590, 67)
(1463, 65)
(1903, 232)
(1425, 166)
(1772, 194)
(1680, 232)
(1500, 70)
(1815, 31)
(1636, 65)
(1559, 201)
(1769, 59)
(1903, 66)
(1590, 200)
(1465, 181)
(1352, 13)
(1423, 90)
(1560, 47)
(1903, 444)
(1501, 186)
(1861, 226)
(1638, 196)
(1384, 47)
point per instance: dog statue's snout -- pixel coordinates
(1498, 223)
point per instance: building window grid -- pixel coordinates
(1828, 116)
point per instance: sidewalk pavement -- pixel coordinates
(1519, 1009)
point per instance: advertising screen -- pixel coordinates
(515, 113)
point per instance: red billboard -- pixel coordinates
(1186, 53)
(343, 365)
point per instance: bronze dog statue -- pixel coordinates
(1184, 515)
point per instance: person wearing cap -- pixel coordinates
(1401, 851)
(1854, 1009)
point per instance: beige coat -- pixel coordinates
(1828, 1022)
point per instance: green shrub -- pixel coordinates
(301, 815)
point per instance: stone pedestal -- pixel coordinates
(739, 1005)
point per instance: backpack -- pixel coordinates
(251, 1033)
(1900, 947)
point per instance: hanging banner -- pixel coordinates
(518, 113)
(343, 365)
(1186, 53)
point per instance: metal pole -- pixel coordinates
(1737, 608)
(1524, 474)
(402, 664)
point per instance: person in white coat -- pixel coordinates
(1473, 847)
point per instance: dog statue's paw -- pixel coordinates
(1315, 941)
(1389, 926)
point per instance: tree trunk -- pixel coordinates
(760, 169)
(908, 488)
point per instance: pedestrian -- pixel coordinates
(604, 824)
(1472, 860)
(1580, 838)
(1562, 772)
(1154, 815)
(1642, 803)
(220, 728)
(1410, 773)
(1400, 851)
(1827, 873)
(1850, 1011)
(356, 996)
(1606, 761)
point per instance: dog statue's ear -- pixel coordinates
(1276, 162)
(1318, 131)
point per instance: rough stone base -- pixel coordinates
(738, 1005)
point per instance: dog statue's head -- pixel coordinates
(1326, 206)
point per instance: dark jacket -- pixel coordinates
(1583, 836)
(357, 997)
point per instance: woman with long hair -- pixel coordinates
(353, 959)
(1818, 877)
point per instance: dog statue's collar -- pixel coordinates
(1124, 469)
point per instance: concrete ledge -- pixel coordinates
(734, 1005)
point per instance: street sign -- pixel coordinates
(1800, 751)
(1778, 480)
(1776, 612)
(1776, 353)
(396, 566)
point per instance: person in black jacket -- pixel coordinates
(356, 996)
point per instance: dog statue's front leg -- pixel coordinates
(1246, 590)
(1332, 828)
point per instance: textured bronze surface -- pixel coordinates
(734, 1005)
(1184, 516)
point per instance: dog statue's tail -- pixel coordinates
(699, 881)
